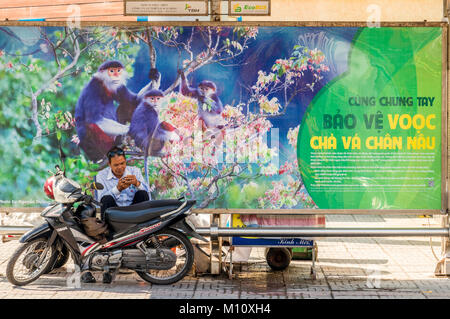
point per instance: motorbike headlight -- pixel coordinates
(54, 210)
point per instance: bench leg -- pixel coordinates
(215, 247)
(443, 265)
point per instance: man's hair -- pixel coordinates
(115, 151)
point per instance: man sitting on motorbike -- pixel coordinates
(123, 186)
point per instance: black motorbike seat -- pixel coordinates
(141, 212)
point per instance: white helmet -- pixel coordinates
(66, 191)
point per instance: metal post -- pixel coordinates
(215, 10)
(323, 232)
(1, 224)
(443, 265)
(313, 266)
(14, 230)
(230, 272)
(291, 232)
(215, 245)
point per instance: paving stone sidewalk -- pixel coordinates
(376, 268)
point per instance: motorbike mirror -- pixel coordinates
(62, 156)
(96, 186)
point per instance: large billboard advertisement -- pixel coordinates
(247, 117)
(371, 138)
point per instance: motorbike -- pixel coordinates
(150, 238)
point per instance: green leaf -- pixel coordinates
(280, 72)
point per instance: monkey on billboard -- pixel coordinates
(148, 132)
(96, 117)
(210, 107)
(125, 110)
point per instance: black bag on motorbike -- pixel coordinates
(93, 227)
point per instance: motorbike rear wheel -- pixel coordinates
(181, 245)
(23, 267)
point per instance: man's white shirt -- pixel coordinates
(110, 181)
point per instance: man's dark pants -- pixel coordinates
(109, 201)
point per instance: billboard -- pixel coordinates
(246, 117)
(371, 138)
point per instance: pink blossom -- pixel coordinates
(75, 139)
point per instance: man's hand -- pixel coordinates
(127, 181)
(133, 180)
(123, 184)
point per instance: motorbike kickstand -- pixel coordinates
(109, 274)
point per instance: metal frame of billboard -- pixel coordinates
(445, 91)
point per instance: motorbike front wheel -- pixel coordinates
(182, 247)
(61, 259)
(24, 266)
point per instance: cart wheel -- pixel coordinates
(278, 258)
(291, 251)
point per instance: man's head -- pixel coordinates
(117, 161)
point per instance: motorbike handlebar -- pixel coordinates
(87, 199)
(96, 203)
(96, 186)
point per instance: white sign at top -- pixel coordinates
(166, 7)
(248, 7)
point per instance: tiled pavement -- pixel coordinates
(346, 268)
